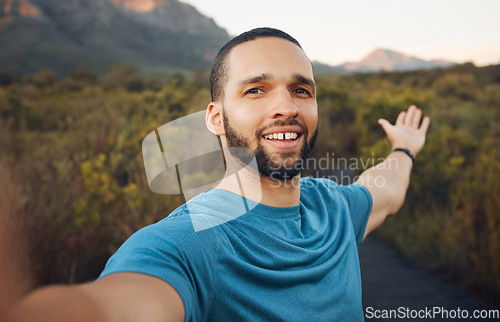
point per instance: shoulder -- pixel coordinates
(166, 243)
(173, 251)
(331, 192)
(177, 231)
(308, 183)
(327, 185)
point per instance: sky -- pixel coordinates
(334, 32)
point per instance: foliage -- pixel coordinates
(450, 220)
(73, 147)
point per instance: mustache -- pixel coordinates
(289, 122)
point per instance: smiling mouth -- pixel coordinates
(292, 136)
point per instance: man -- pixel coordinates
(292, 253)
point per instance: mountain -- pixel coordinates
(382, 60)
(158, 35)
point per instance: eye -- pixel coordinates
(254, 91)
(302, 91)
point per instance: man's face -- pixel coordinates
(269, 105)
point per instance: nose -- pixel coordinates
(284, 105)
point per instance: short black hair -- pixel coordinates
(219, 72)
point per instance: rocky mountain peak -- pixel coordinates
(141, 5)
(19, 8)
(382, 59)
(10, 10)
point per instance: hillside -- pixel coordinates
(158, 35)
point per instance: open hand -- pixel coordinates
(410, 130)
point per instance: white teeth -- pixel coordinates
(282, 136)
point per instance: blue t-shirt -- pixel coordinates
(265, 263)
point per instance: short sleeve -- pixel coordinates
(359, 201)
(172, 251)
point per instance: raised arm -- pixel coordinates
(389, 180)
(117, 297)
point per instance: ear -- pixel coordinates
(213, 119)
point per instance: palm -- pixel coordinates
(409, 131)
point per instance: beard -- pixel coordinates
(278, 166)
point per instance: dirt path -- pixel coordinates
(392, 282)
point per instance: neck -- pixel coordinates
(248, 183)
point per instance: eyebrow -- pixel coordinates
(263, 77)
(256, 79)
(304, 80)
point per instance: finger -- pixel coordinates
(401, 118)
(385, 124)
(410, 114)
(416, 118)
(425, 124)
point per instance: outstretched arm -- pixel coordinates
(388, 181)
(117, 297)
